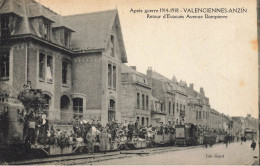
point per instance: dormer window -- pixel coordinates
(5, 32)
(44, 30)
(8, 24)
(67, 39)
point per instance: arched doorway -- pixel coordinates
(111, 110)
(64, 108)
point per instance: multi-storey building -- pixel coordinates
(75, 60)
(135, 96)
(239, 126)
(199, 108)
(251, 122)
(172, 97)
(214, 120)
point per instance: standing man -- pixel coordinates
(31, 131)
(253, 144)
(226, 140)
(131, 129)
(137, 127)
(90, 141)
(99, 125)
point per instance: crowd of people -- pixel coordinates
(36, 130)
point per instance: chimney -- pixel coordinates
(149, 72)
(133, 67)
(202, 90)
(191, 86)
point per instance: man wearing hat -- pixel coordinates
(38, 125)
(31, 131)
(131, 129)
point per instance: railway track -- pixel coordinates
(89, 159)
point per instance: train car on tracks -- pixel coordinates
(187, 134)
(11, 128)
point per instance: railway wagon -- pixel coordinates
(11, 128)
(249, 134)
(187, 134)
(164, 139)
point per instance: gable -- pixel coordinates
(114, 46)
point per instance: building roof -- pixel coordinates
(169, 85)
(61, 22)
(136, 76)
(214, 111)
(191, 92)
(11, 6)
(92, 30)
(34, 9)
(238, 119)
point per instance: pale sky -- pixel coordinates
(220, 55)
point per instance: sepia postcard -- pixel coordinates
(129, 82)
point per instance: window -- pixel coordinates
(44, 29)
(47, 101)
(161, 107)
(4, 64)
(143, 101)
(3, 97)
(78, 107)
(112, 104)
(197, 115)
(147, 121)
(64, 102)
(112, 46)
(109, 75)
(5, 32)
(147, 102)
(42, 66)
(138, 100)
(177, 107)
(142, 121)
(111, 110)
(170, 107)
(173, 107)
(66, 39)
(64, 72)
(138, 119)
(49, 71)
(114, 77)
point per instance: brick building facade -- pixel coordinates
(172, 98)
(49, 51)
(78, 61)
(135, 97)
